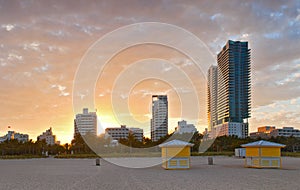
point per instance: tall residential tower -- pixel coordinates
(233, 90)
(159, 121)
(212, 96)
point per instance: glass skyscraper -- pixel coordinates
(233, 91)
(234, 82)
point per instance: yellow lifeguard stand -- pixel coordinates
(263, 154)
(176, 154)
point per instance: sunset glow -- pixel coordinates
(43, 44)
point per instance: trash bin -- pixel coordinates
(210, 161)
(97, 161)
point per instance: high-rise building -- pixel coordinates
(212, 96)
(234, 82)
(85, 123)
(159, 121)
(233, 90)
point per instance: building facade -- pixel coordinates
(117, 133)
(48, 136)
(266, 132)
(159, 121)
(234, 82)
(138, 133)
(11, 135)
(230, 129)
(85, 123)
(266, 129)
(212, 95)
(233, 91)
(184, 127)
(285, 132)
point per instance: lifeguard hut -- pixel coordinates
(263, 154)
(176, 154)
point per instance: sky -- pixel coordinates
(43, 43)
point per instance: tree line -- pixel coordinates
(90, 144)
(14, 147)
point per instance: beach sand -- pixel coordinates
(226, 173)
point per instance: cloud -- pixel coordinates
(3, 62)
(166, 69)
(87, 29)
(59, 33)
(27, 74)
(187, 62)
(32, 46)
(126, 19)
(64, 93)
(273, 35)
(12, 57)
(43, 68)
(50, 29)
(124, 96)
(8, 27)
(61, 89)
(216, 16)
(53, 48)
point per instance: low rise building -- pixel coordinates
(48, 137)
(266, 129)
(229, 129)
(285, 132)
(255, 135)
(183, 127)
(266, 132)
(138, 133)
(11, 135)
(117, 133)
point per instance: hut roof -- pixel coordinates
(263, 144)
(175, 143)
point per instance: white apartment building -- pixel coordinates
(117, 133)
(13, 135)
(229, 129)
(285, 132)
(183, 127)
(48, 137)
(138, 133)
(85, 122)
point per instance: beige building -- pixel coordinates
(48, 137)
(85, 122)
(117, 133)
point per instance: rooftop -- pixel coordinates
(175, 143)
(263, 143)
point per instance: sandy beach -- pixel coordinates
(226, 173)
